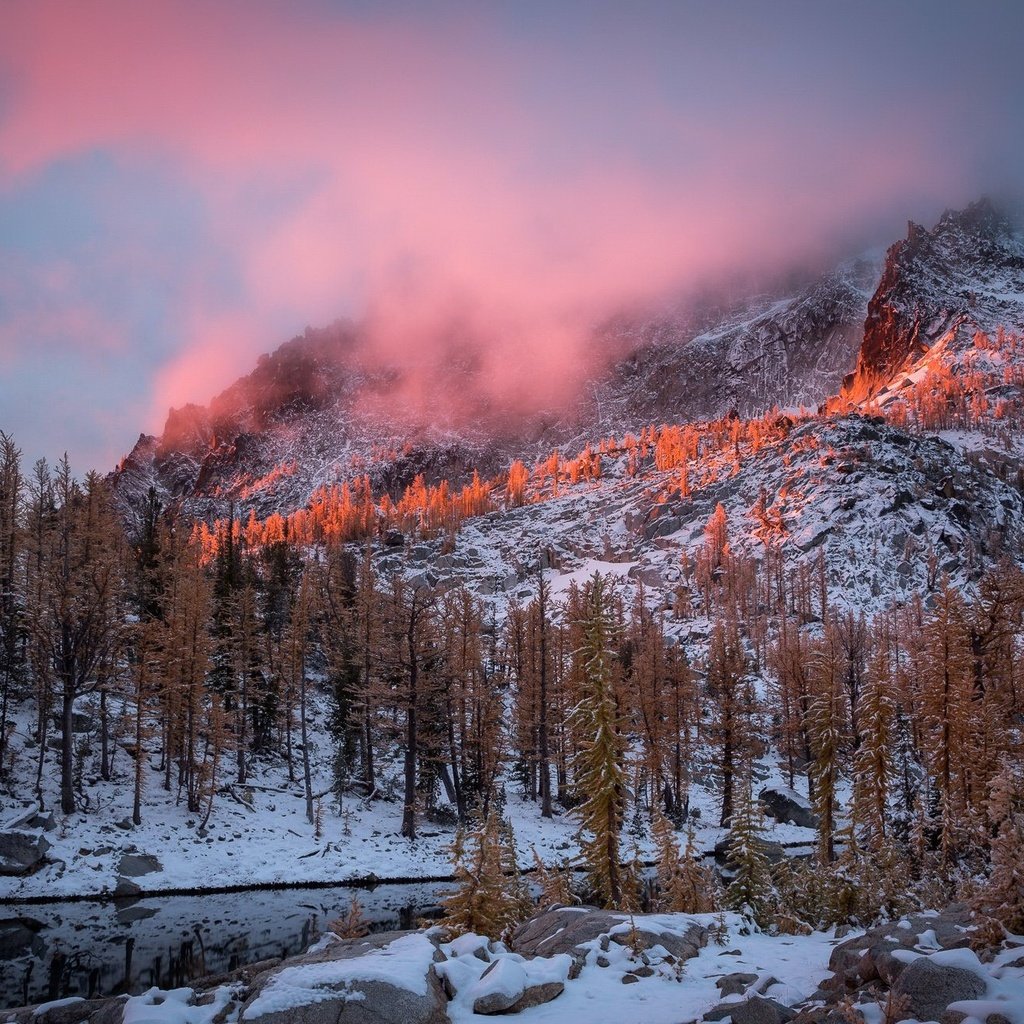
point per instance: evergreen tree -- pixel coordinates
(491, 898)
(1003, 896)
(750, 889)
(873, 769)
(599, 772)
(683, 885)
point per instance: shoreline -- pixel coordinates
(360, 882)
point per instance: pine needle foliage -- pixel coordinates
(684, 885)
(491, 898)
(599, 765)
(1003, 897)
(555, 884)
(353, 925)
(751, 890)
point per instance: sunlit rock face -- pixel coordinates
(964, 275)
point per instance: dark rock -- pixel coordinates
(721, 1011)
(134, 912)
(926, 988)
(21, 851)
(125, 887)
(134, 865)
(735, 984)
(80, 722)
(787, 806)
(630, 979)
(759, 1010)
(18, 936)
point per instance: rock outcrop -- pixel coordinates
(787, 806)
(966, 274)
(21, 851)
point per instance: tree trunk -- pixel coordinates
(307, 776)
(411, 736)
(67, 774)
(104, 738)
(546, 810)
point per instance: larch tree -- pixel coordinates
(83, 573)
(491, 898)
(826, 720)
(599, 764)
(731, 698)
(12, 623)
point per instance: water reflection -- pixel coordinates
(89, 949)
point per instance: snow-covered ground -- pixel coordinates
(268, 841)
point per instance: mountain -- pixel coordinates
(965, 275)
(323, 408)
(773, 350)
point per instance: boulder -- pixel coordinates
(925, 988)
(760, 1010)
(870, 956)
(126, 889)
(755, 1010)
(21, 851)
(81, 722)
(735, 984)
(386, 978)
(18, 936)
(74, 1010)
(507, 987)
(570, 929)
(721, 1011)
(787, 806)
(134, 865)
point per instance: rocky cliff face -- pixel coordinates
(780, 350)
(319, 410)
(965, 275)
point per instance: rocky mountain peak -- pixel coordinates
(965, 274)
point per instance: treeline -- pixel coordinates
(905, 729)
(352, 511)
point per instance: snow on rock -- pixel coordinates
(177, 1006)
(616, 972)
(511, 983)
(786, 805)
(928, 986)
(389, 976)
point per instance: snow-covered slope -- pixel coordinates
(776, 350)
(889, 510)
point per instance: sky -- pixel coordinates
(187, 184)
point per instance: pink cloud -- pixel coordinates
(421, 195)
